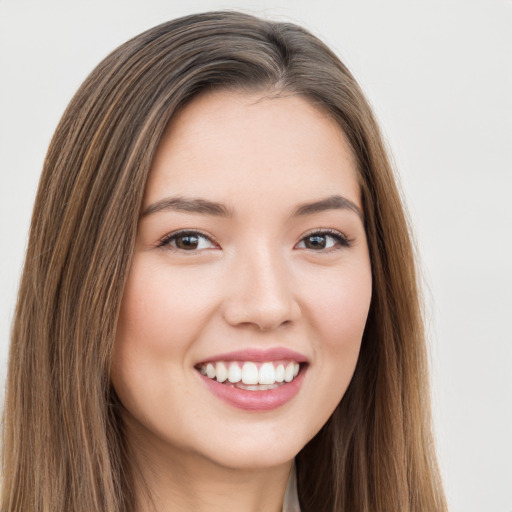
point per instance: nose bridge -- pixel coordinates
(262, 292)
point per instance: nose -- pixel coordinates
(260, 292)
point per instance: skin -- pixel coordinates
(252, 283)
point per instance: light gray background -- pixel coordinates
(439, 74)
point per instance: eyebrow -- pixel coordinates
(206, 207)
(189, 205)
(329, 203)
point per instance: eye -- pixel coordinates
(187, 241)
(322, 240)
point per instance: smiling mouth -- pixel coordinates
(249, 375)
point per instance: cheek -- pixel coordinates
(161, 311)
(340, 305)
(161, 314)
(339, 310)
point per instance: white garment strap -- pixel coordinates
(291, 498)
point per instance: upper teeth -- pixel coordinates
(268, 373)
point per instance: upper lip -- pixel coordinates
(259, 355)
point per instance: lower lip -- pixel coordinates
(264, 400)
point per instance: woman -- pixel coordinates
(219, 282)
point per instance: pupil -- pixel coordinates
(315, 242)
(187, 242)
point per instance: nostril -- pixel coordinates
(261, 315)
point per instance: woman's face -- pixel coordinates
(250, 263)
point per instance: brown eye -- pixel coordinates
(321, 240)
(187, 241)
(315, 242)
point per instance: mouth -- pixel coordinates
(254, 380)
(251, 376)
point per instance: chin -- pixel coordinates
(255, 452)
(254, 460)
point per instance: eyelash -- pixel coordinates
(341, 240)
(339, 237)
(166, 240)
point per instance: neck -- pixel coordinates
(169, 479)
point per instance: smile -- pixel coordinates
(255, 380)
(252, 376)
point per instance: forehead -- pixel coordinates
(230, 145)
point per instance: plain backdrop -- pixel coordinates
(439, 75)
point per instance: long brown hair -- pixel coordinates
(63, 442)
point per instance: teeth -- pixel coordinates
(234, 373)
(248, 376)
(267, 374)
(280, 373)
(250, 373)
(210, 371)
(221, 372)
(288, 372)
(257, 387)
